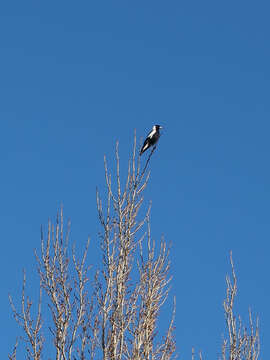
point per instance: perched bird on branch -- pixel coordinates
(151, 139)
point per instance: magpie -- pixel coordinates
(151, 139)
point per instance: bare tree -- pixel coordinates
(243, 343)
(240, 343)
(115, 315)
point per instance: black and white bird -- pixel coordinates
(151, 139)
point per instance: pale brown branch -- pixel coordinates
(241, 344)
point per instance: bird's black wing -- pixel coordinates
(146, 142)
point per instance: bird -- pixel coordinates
(151, 139)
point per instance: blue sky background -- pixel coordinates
(77, 76)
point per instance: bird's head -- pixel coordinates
(157, 127)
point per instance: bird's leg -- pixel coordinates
(147, 162)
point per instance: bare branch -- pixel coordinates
(33, 339)
(241, 343)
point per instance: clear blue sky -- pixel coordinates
(77, 76)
